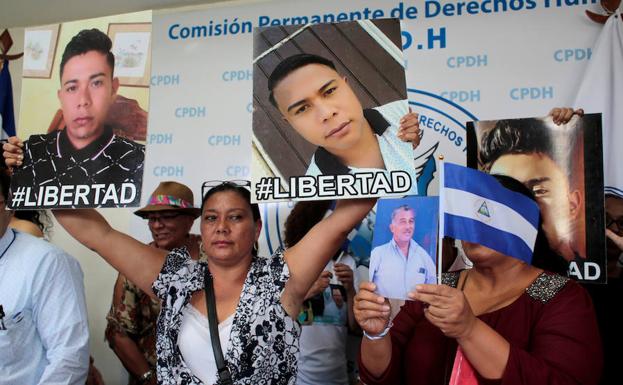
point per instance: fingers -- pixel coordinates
(12, 152)
(341, 268)
(14, 140)
(326, 274)
(409, 130)
(614, 237)
(561, 115)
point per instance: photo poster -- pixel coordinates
(563, 166)
(404, 245)
(330, 307)
(84, 138)
(311, 130)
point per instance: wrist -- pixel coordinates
(148, 375)
(468, 332)
(382, 334)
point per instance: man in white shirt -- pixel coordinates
(44, 333)
(400, 264)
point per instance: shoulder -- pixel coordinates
(38, 143)
(312, 169)
(382, 248)
(547, 286)
(39, 254)
(128, 146)
(394, 111)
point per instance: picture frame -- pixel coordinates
(131, 45)
(39, 51)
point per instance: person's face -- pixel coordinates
(402, 226)
(614, 222)
(337, 297)
(86, 94)
(169, 228)
(320, 105)
(559, 205)
(228, 230)
(5, 215)
(481, 255)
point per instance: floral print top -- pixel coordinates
(263, 345)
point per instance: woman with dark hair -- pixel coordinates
(502, 322)
(256, 300)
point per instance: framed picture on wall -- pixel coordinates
(39, 51)
(131, 45)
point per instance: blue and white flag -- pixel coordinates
(475, 207)
(6, 103)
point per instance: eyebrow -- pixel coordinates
(227, 211)
(321, 89)
(90, 78)
(532, 182)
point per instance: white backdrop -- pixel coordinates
(463, 63)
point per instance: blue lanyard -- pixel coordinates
(10, 243)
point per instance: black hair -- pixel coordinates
(291, 64)
(5, 181)
(543, 256)
(85, 41)
(40, 218)
(302, 218)
(242, 191)
(516, 136)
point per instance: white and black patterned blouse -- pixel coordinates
(264, 339)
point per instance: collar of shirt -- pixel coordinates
(6, 241)
(90, 151)
(410, 252)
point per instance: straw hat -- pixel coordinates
(170, 196)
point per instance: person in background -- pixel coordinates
(44, 332)
(608, 297)
(323, 358)
(131, 328)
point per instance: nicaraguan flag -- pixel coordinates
(475, 207)
(6, 103)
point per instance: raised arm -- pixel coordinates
(309, 256)
(138, 262)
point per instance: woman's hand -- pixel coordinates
(371, 310)
(12, 152)
(447, 309)
(344, 274)
(319, 285)
(409, 130)
(615, 238)
(562, 115)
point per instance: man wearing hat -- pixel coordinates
(132, 317)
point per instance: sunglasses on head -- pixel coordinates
(209, 185)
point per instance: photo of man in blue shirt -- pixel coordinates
(400, 264)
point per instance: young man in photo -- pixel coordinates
(86, 152)
(321, 106)
(526, 149)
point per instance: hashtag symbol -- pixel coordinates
(264, 189)
(18, 196)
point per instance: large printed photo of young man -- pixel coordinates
(562, 165)
(89, 156)
(331, 119)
